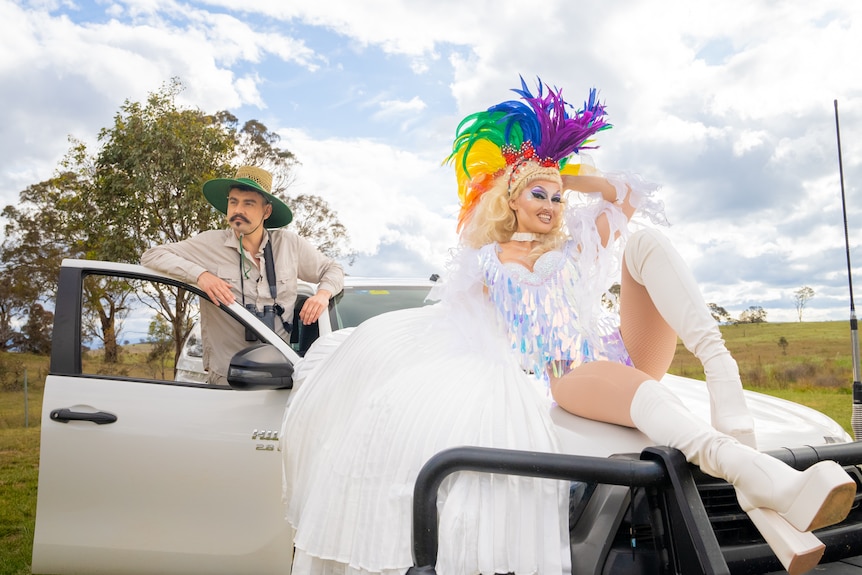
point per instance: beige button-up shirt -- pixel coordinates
(218, 252)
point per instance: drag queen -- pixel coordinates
(520, 323)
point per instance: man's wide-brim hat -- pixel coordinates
(249, 177)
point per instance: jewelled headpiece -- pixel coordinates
(522, 141)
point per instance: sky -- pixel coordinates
(729, 105)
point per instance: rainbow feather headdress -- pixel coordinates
(521, 141)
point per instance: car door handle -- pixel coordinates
(66, 415)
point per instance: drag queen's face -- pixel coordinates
(537, 208)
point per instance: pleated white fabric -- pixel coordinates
(400, 388)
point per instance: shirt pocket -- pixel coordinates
(285, 288)
(230, 274)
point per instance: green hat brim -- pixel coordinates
(216, 191)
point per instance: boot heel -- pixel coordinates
(822, 497)
(798, 551)
(825, 497)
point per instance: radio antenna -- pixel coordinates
(856, 416)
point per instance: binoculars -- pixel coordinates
(267, 316)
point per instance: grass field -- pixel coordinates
(809, 363)
(19, 467)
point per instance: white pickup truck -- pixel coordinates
(144, 472)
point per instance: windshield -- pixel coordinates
(356, 304)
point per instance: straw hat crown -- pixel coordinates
(216, 191)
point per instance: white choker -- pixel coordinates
(524, 237)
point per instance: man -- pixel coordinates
(231, 264)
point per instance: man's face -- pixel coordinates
(246, 211)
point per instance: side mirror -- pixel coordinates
(260, 366)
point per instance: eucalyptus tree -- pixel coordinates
(801, 297)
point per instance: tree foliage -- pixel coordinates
(754, 314)
(36, 333)
(719, 313)
(43, 229)
(142, 187)
(160, 338)
(39, 232)
(12, 304)
(149, 172)
(801, 297)
(313, 218)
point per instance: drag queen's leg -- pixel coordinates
(599, 390)
(658, 293)
(650, 341)
(784, 504)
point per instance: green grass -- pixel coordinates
(19, 466)
(815, 368)
(19, 460)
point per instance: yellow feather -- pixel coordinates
(484, 158)
(570, 170)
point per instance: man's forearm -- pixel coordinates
(163, 259)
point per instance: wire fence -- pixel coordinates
(20, 402)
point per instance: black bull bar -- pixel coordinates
(660, 467)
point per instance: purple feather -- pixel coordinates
(561, 134)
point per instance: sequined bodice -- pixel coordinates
(547, 264)
(547, 312)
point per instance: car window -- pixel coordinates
(356, 304)
(127, 332)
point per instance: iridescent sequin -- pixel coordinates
(548, 319)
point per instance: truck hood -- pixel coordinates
(778, 423)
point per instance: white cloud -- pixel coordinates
(380, 193)
(748, 140)
(400, 107)
(728, 104)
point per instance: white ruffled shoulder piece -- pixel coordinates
(600, 265)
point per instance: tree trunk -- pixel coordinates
(112, 351)
(109, 335)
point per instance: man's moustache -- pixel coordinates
(238, 217)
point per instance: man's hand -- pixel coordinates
(216, 288)
(314, 307)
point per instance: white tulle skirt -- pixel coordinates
(400, 388)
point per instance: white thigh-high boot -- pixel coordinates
(655, 264)
(783, 503)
